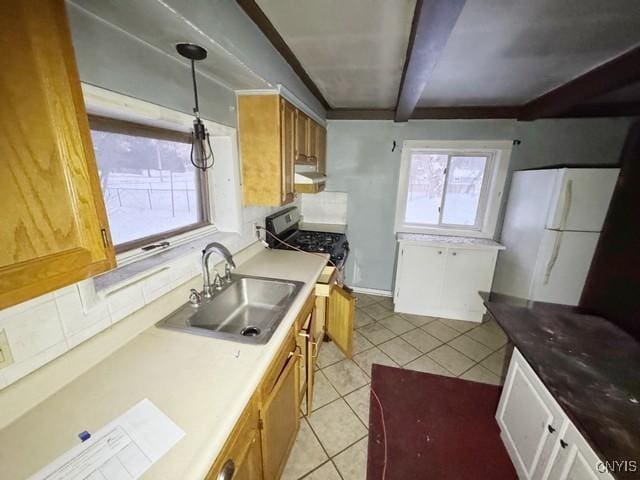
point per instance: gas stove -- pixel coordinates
(283, 227)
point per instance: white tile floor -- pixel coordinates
(332, 442)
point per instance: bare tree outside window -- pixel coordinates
(444, 189)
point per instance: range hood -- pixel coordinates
(309, 181)
(310, 177)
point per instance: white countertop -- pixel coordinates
(201, 383)
(450, 240)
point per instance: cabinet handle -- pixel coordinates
(551, 429)
(563, 444)
(453, 253)
(228, 469)
(439, 252)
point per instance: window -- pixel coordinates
(150, 188)
(456, 189)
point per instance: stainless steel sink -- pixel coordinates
(249, 309)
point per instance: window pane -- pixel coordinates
(424, 192)
(464, 184)
(149, 185)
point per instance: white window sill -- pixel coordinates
(139, 268)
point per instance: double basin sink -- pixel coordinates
(247, 309)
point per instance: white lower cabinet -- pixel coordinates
(574, 459)
(443, 281)
(541, 441)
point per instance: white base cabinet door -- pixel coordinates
(419, 278)
(575, 460)
(529, 419)
(541, 441)
(443, 281)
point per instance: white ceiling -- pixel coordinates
(353, 50)
(162, 27)
(501, 52)
(506, 52)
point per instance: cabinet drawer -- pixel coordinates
(326, 280)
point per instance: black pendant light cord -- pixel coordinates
(201, 152)
(196, 110)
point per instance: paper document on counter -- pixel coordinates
(121, 450)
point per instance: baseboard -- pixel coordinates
(373, 291)
(449, 313)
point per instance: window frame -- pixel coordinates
(498, 157)
(115, 125)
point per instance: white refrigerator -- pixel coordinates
(551, 228)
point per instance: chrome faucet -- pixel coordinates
(221, 250)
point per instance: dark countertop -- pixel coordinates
(589, 365)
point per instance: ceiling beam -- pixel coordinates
(256, 14)
(626, 109)
(360, 114)
(590, 110)
(610, 76)
(473, 112)
(430, 113)
(433, 21)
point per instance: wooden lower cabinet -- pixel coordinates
(241, 457)
(279, 420)
(341, 306)
(259, 446)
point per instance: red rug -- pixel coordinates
(437, 428)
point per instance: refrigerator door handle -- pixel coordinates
(553, 258)
(568, 198)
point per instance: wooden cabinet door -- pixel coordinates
(312, 142)
(529, 420)
(575, 460)
(288, 128)
(311, 357)
(280, 420)
(249, 466)
(467, 272)
(322, 150)
(419, 278)
(340, 316)
(301, 151)
(54, 225)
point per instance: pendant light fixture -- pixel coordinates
(201, 152)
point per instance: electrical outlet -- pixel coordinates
(6, 358)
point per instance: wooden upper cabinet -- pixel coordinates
(287, 136)
(310, 141)
(322, 150)
(302, 138)
(54, 226)
(267, 144)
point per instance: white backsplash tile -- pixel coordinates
(19, 369)
(43, 328)
(32, 330)
(125, 301)
(75, 322)
(103, 322)
(156, 285)
(324, 207)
